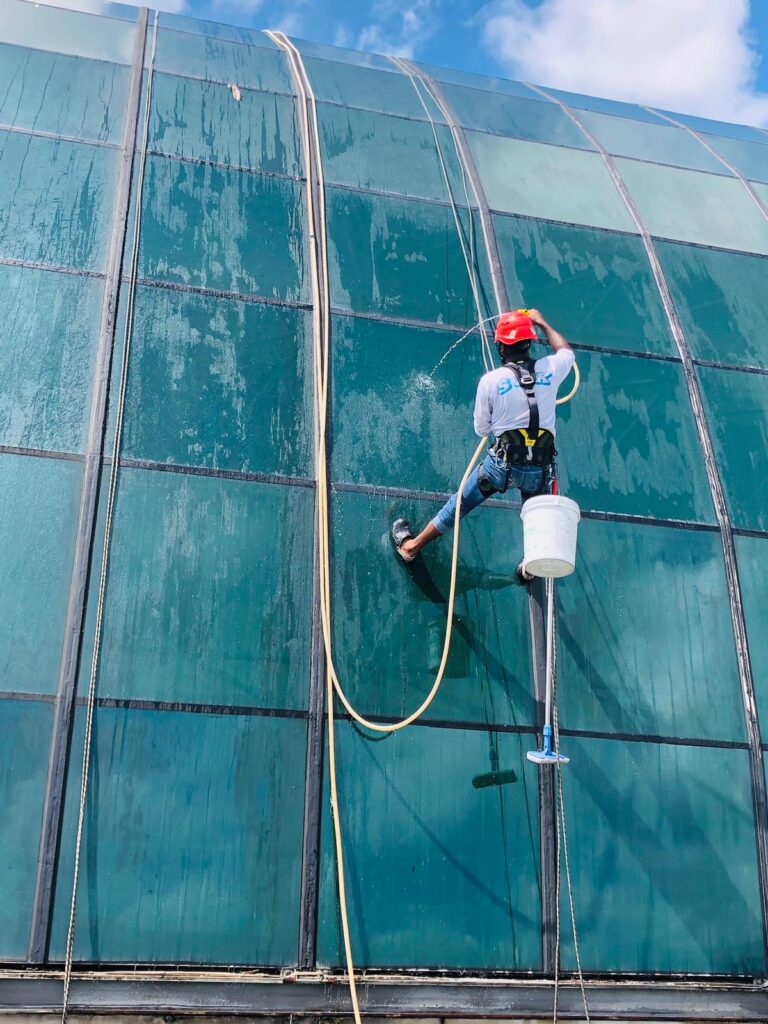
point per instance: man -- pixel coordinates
(516, 405)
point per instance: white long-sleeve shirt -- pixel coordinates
(501, 403)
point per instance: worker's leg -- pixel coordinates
(482, 483)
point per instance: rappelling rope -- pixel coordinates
(469, 259)
(562, 840)
(112, 490)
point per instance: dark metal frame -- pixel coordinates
(450, 997)
(61, 738)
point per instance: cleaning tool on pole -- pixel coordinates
(545, 754)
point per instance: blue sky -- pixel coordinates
(707, 57)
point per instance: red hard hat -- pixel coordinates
(514, 327)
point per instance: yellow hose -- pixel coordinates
(574, 389)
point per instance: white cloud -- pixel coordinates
(694, 56)
(398, 29)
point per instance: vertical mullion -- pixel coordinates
(61, 735)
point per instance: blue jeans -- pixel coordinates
(530, 480)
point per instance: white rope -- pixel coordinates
(469, 259)
(562, 839)
(113, 473)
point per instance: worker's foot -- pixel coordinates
(401, 534)
(522, 576)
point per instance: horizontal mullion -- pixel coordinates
(223, 165)
(143, 704)
(760, 370)
(54, 268)
(221, 474)
(74, 56)
(57, 137)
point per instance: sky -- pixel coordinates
(707, 57)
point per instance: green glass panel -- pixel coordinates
(51, 92)
(596, 103)
(203, 120)
(401, 257)
(721, 128)
(206, 600)
(737, 411)
(371, 88)
(74, 32)
(762, 192)
(486, 83)
(25, 726)
(218, 30)
(219, 60)
(49, 327)
(719, 297)
(365, 149)
(628, 442)
(549, 182)
(533, 119)
(219, 383)
(752, 556)
(662, 847)
(689, 206)
(596, 286)
(666, 666)
(359, 58)
(390, 424)
(749, 158)
(440, 872)
(389, 620)
(214, 227)
(661, 143)
(39, 501)
(192, 842)
(57, 200)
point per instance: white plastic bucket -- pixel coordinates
(550, 525)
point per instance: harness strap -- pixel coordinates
(526, 377)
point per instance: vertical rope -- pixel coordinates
(112, 490)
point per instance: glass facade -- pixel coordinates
(203, 789)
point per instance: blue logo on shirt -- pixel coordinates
(542, 379)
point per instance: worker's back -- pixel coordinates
(501, 403)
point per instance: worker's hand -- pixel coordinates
(536, 316)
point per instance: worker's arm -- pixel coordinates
(555, 339)
(483, 409)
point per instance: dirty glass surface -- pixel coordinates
(368, 150)
(621, 665)
(720, 128)
(751, 555)
(690, 206)
(628, 443)
(219, 383)
(192, 843)
(443, 873)
(549, 182)
(719, 297)
(220, 60)
(663, 144)
(389, 619)
(665, 876)
(39, 500)
(215, 227)
(533, 119)
(64, 31)
(49, 327)
(52, 92)
(202, 120)
(46, 182)
(399, 257)
(206, 600)
(595, 286)
(22, 787)
(737, 407)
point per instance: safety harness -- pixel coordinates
(526, 444)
